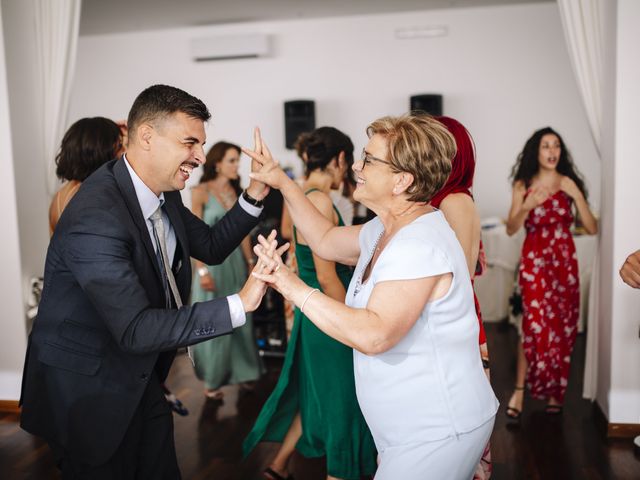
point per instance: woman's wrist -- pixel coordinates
(306, 298)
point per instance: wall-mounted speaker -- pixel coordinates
(430, 103)
(299, 117)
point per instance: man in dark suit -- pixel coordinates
(110, 318)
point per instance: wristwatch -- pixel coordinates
(252, 201)
(202, 271)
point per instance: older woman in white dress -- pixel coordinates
(409, 313)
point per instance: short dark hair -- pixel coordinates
(87, 144)
(159, 101)
(323, 145)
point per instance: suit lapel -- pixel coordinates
(125, 184)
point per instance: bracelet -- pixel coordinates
(307, 298)
(202, 271)
(252, 201)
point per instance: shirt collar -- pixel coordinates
(149, 201)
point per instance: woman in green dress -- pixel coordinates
(230, 359)
(313, 407)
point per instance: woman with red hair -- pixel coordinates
(456, 202)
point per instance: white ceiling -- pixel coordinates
(110, 16)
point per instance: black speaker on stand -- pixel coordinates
(299, 117)
(430, 103)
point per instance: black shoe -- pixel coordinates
(553, 409)
(514, 414)
(176, 405)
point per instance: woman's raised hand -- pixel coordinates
(536, 196)
(256, 188)
(254, 288)
(272, 269)
(264, 168)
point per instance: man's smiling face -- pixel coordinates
(176, 149)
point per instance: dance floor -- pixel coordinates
(209, 439)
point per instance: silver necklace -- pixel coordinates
(359, 284)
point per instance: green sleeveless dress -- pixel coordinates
(233, 358)
(317, 380)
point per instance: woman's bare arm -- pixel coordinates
(371, 330)
(338, 244)
(462, 216)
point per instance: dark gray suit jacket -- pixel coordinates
(102, 327)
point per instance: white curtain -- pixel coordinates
(582, 23)
(583, 30)
(590, 385)
(57, 27)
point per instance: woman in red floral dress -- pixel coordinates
(547, 188)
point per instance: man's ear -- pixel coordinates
(341, 162)
(143, 136)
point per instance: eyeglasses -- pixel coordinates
(367, 159)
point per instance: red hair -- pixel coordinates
(463, 165)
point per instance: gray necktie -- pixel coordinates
(168, 278)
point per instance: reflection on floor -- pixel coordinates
(209, 439)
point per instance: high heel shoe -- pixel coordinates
(513, 413)
(214, 393)
(271, 474)
(553, 409)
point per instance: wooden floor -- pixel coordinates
(209, 439)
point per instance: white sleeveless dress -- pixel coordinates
(427, 400)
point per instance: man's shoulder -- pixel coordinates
(99, 196)
(101, 189)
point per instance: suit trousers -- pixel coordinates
(147, 450)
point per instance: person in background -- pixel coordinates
(313, 407)
(342, 197)
(409, 312)
(286, 231)
(547, 187)
(456, 202)
(88, 144)
(232, 359)
(630, 270)
(630, 274)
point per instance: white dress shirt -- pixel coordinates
(149, 203)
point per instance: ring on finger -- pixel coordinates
(277, 268)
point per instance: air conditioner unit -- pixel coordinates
(229, 46)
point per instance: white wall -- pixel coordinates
(503, 71)
(619, 346)
(13, 338)
(25, 106)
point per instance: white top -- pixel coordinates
(430, 385)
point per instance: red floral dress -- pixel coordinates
(550, 288)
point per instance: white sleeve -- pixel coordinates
(236, 311)
(411, 258)
(250, 209)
